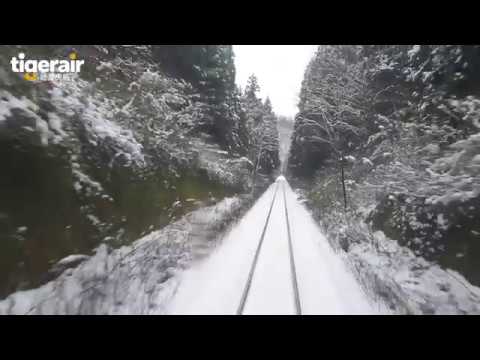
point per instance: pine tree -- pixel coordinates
(252, 87)
(268, 105)
(262, 128)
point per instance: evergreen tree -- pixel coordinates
(252, 87)
(268, 105)
(262, 128)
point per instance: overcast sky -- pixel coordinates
(279, 69)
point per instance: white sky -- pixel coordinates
(279, 69)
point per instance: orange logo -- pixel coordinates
(30, 76)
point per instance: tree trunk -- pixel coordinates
(255, 169)
(343, 183)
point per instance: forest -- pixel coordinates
(153, 157)
(145, 134)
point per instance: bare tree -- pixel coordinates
(332, 114)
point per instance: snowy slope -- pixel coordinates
(325, 284)
(135, 279)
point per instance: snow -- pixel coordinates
(136, 279)
(215, 286)
(411, 283)
(22, 229)
(70, 98)
(186, 268)
(8, 102)
(271, 291)
(451, 196)
(431, 148)
(233, 172)
(103, 128)
(104, 65)
(151, 78)
(55, 124)
(94, 220)
(244, 159)
(476, 159)
(367, 161)
(41, 127)
(326, 286)
(97, 114)
(385, 63)
(85, 180)
(442, 222)
(72, 258)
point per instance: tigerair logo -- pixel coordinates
(45, 70)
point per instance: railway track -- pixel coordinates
(253, 267)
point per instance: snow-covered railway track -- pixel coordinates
(246, 290)
(293, 270)
(274, 261)
(293, 273)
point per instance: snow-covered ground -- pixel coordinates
(326, 285)
(136, 279)
(215, 284)
(188, 268)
